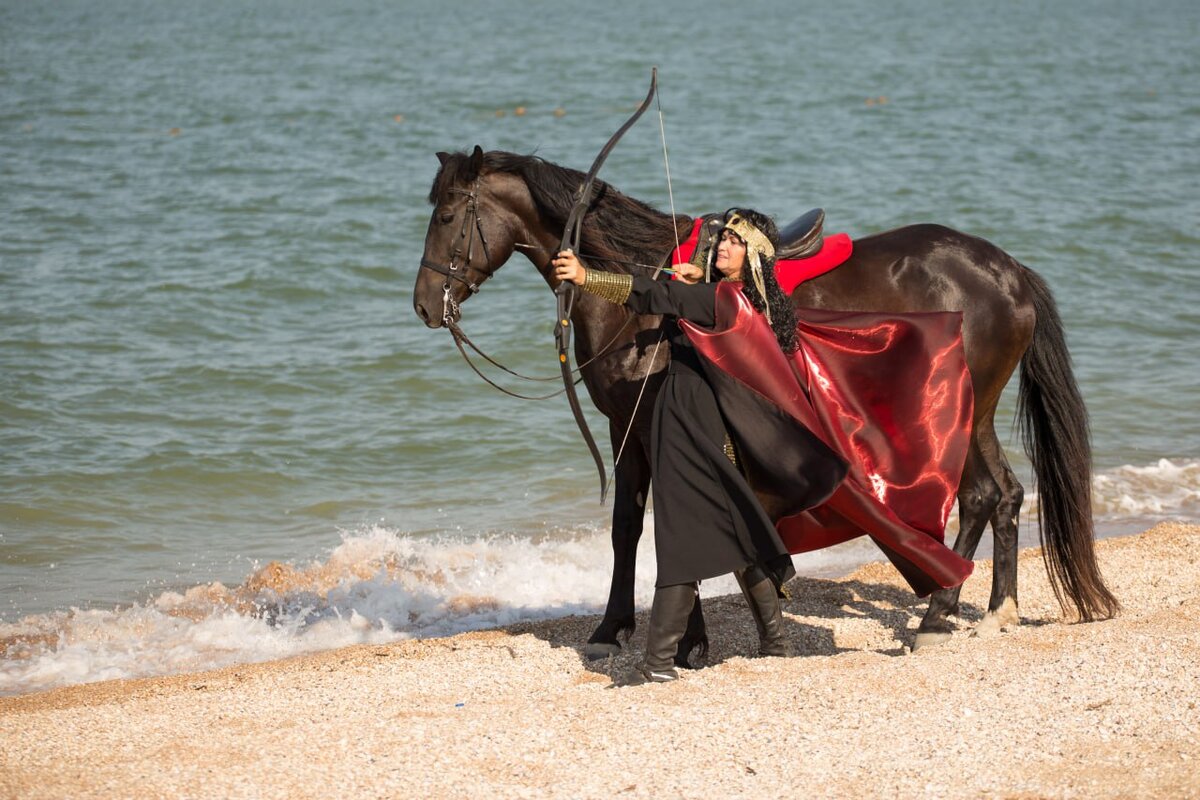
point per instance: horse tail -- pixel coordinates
(1055, 432)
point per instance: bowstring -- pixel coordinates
(662, 132)
(662, 129)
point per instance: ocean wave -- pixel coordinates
(377, 585)
(380, 584)
(1163, 490)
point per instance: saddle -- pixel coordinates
(803, 236)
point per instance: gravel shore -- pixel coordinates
(1050, 709)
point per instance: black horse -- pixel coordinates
(488, 205)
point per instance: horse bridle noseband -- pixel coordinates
(472, 224)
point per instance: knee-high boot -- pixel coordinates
(764, 604)
(668, 622)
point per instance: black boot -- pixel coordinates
(668, 622)
(766, 609)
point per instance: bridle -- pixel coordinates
(471, 225)
(457, 269)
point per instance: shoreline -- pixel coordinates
(1048, 709)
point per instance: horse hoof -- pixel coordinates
(997, 622)
(594, 651)
(930, 637)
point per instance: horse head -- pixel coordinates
(472, 232)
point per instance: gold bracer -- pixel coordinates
(610, 286)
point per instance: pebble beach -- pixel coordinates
(1049, 709)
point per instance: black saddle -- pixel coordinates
(803, 237)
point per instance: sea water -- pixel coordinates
(225, 436)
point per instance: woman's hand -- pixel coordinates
(688, 272)
(567, 268)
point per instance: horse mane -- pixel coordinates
(617, 228)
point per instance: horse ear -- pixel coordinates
(475, 164)
(443, 158)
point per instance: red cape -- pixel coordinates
(888, 393)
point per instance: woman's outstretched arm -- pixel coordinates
(693, 302)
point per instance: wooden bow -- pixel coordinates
(565, 291)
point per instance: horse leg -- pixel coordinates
(632, 481)
(1002, 607)
(978, 496)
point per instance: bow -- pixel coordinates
(565, 291)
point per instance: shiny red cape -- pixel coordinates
(888, 393)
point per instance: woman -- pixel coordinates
(707, 519)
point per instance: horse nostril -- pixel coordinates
(430, 321)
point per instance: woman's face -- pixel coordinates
(731, 255)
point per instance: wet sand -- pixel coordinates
(1049, 709)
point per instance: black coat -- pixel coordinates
(707, 521)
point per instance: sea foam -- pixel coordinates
(379, 584)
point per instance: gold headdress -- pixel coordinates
(758, 247)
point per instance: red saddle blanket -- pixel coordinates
(888, 393)
(835, 250)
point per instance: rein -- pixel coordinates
(460, 337)
(459, 334)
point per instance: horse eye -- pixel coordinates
(446, 217)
